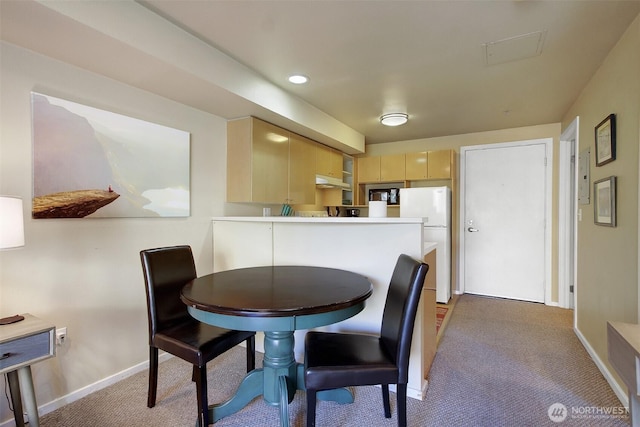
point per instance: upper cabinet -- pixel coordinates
(392, 168)
(302, 174)
(440, 164)
(260, 167)
(368, 169)
(416, 166)
(271, 165)
(405, 167)
(381, 168)
(328, 161)
(429, 165)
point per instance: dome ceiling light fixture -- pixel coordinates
(298, 79)
(394, 119)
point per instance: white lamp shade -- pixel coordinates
(11, 222)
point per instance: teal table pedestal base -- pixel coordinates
(277, 381)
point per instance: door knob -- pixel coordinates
(472, 230)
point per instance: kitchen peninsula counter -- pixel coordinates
(368, 246)
(321, 219)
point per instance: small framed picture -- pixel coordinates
(606, 141)
(604, 196)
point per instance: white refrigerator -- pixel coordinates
(433, 205)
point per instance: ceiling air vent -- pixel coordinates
(514, 48)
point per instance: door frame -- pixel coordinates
(567, 215)
(548, 143)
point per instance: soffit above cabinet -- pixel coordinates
(149, 52)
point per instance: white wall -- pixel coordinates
(85, 274)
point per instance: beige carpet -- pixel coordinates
(499, 363)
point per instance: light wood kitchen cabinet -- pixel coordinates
(302, 175)
(388, 168)
(416, 166)
(258, 163)
(392, 168)
(429, 337)
(406, 167)
(368, 169)
(328, 161)
(439, 164)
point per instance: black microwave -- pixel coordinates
(389, 195)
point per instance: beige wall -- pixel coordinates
(456, 141)
(506, 135)
(86, 274)
(607, 280)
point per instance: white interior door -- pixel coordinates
(504, 213)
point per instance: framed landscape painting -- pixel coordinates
(604, 194)
(92, 163)
(606, 140)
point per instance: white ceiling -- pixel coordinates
(364, 58)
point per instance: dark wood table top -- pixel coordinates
(277, 291)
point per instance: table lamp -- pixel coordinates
(11, 222)
(11, 233)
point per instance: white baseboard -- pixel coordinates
(413, 392)
(91, 388)
(617, 389)
(418, 394)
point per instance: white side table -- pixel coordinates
(623, 342)
(21, 345)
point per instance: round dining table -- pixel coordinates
(276, 300)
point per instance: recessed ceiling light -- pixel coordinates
(394, 119)
(298, 79)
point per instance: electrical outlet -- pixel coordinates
(61, 336)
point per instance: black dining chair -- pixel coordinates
(335, 360)
(172, 329)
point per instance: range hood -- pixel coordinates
(323, 181)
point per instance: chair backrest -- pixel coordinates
(400, 311)
(166, 271)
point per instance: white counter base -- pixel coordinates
(368, 246)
